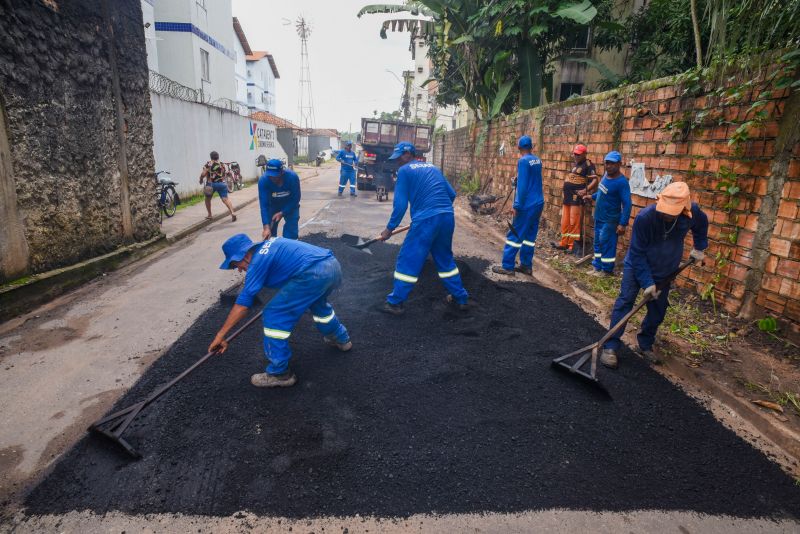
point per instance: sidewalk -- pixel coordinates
(188, 220)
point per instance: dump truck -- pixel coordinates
(377, 139)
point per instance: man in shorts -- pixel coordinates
(213, 175)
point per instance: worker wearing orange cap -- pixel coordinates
(655, 252)
(580, 181)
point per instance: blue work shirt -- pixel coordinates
(427, 190)
(349, 160)
(529, 183)
(274, 262)
(285, 198)
(657, 246)
(613, 198)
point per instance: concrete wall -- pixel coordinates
(73, 81)
(185, 132)
(682, 132)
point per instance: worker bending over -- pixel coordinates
(528, 205)
(432, 223)
(580, 181)
(279, 198)
(349, 161)
(655, 252)
(611, 214)
(305, 276)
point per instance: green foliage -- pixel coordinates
(469, 184)
(768, 325)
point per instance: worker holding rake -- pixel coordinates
(305, 276)
(655, 252)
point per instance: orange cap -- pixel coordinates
(579, 149)
(675, 200)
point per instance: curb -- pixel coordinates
(180, 234)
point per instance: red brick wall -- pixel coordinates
(635, 121)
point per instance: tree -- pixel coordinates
(495, 55)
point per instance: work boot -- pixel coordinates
(499, 269)
(649, 355)
(524, 270)
(557, 246)
(264, 380)
(340, 193)
(393, 309)
(609, 358)
(451, 301)
(333, 342)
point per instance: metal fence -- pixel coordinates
(164, 86)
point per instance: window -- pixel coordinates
(419, 69)
(579, 40)
(249, 74)
(569, 89)
(204, 66)
(421, 44)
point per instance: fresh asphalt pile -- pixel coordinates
(430, 412)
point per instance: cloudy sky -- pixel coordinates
(348, 59)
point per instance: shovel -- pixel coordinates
(359, 242)
(589, 353)
(112, 426)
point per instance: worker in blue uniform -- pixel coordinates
(655, 252)
(424, 187)
(305, 276)
(611, 213)
(349, 161)
(528, 206)
(279, 198)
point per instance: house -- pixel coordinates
(242, 50)
(320, 139)
(261, 75)
(195, 45)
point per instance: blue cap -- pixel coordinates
(402, 148)
(274, 167)
(613, 156)
(525, 142)
(348, 143)
(234, 249)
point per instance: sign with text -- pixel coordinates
(262, 136)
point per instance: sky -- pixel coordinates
(347, 57)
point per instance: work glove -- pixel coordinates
(652, 291)
(697, 255)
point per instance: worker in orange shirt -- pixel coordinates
(581, 180)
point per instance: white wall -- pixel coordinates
(184, 133)
(148, 18)
(240, 73)
(260, 79)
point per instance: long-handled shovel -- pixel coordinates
(359, 242)
(589, 353)
(112, 426)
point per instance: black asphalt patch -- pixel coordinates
(430, 412)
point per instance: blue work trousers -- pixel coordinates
(656, 310)
(346, 176)
(605, 246)
(308, 290)
(526, 223)
(291, 226)
(433, 235)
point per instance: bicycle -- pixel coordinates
(166, 196)
(233, 177)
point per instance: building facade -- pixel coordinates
(261, 75)
(242, 49)
(195, 46)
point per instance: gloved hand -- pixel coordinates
(652, 291)
(698, 255)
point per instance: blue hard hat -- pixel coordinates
(402, 148)
(274, 167)
(525, 142)
(613, 156)
(235, 249)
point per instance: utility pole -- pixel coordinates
(305, 105)
(405, 105)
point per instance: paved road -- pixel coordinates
(68, 365)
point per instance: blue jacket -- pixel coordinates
(274, 262)
(425, 187)
(285, 198)
(613, 198)
(656, 246)
(529, 183)
(349, 158)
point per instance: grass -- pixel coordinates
(786, 399)
(18, 282)
(603, 285)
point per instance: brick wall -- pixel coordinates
(760, 237)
